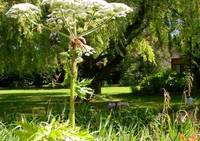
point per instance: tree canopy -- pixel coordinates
(164, 26)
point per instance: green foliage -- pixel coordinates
(50, 131)
(139, 62)
(152, 131)
(82, 90)
(24, 51)
(142, 125)
(72, 20)
(172, 81)
(135, 124)
(27, 47)
(27, 79)
(7, 134)
(145, 50)
(118, 124)
(122, 123)
(25, 13)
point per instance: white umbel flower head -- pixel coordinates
(120, 9)
(54, 2)
(92, 3)
(64, 11)
(23, 8)
(101, 7)
(76, 3)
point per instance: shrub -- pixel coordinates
(172, 81)
(17, 80)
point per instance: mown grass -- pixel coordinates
(41, 101)
(105, 91)
(35, 91)
(116, 90)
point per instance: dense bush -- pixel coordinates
(26, 79)
(170, 80)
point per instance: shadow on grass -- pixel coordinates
(13, 106)
(27, 104)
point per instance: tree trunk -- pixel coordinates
(96, 86)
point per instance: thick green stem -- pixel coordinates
(72, 91)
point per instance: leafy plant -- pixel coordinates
(50, 131)
(7, 134)
(82, 89)
(72, 20)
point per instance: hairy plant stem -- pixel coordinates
(72, 90)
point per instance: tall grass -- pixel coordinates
(117, 124)
(114, 125)
(146, 125)
(159, 128)
(7, 134)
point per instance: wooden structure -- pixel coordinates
(178, 64)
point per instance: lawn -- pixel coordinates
(40, 101)
(35, 91)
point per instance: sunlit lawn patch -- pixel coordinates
(35, 91)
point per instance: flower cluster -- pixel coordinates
(99, 8)
(121, 9)
(88, 50)
(21, 9)
(73, 15)
(26, 15)
(76, 3)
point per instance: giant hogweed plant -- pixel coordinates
(73, 19)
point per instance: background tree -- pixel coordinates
(27, 60)
(149, 19)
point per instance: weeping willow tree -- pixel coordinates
(25, 52)
(72, 19)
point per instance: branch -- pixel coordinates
(95, 28)
(47, 28)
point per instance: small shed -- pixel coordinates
(177, 64)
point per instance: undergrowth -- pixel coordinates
(116, 124)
